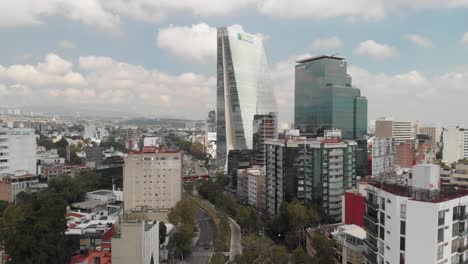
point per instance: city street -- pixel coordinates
(200, 254)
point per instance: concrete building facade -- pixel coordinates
(433, 132)
(454, 144)
(17, 150)
(152, 179)
(136, 242)
(11, 185)
(416, 223)
(400, 131)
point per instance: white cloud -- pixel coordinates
(65, 44)
(419, 40)
(196, 42)
(376, 50)
(354, 9)
(326, 43)
(465, 38)
(368, 9)
(106, 15)
(103, 83)
(32, 12)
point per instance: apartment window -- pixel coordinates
(440, 252)
(403, 211)
(441, 218)
(382, 203)
(382, 233)
(440, 235)
(402, 228)
(382, 218)
(402, 243)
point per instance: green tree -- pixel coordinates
(247, 218)
(300, 257)
(225, 203)
(256, 250)
(181, 241)
(218, 259)
(183, 213)
(189, 186)
(324, 250)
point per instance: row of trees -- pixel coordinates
(183, 217)
(34, 228)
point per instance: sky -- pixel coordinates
(157, 58)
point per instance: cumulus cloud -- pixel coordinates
(104, 83)
(419, 40)
(326, 43)
(107, 15)
(32, 12)
(354, 9)
(196, 42)
(415, 93)
(421, 92)
(464, 39)
(376, 50)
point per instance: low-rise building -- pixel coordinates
(350, 244)
(12, 184)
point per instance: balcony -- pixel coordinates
(372, 218)
(371, 245)
(462, 249)
(372, 204)
(371, 228)
(371, 257)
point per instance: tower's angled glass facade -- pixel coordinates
(243, 90)
(325, 98)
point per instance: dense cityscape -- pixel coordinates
(244, 184)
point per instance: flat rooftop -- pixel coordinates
(320, 58)
(88, 204)
(102, 192)
(434, 196)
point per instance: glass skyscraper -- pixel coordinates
(243, 90)
(325, 98)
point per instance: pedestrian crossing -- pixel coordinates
(200, 253)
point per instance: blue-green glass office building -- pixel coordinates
(326, 99)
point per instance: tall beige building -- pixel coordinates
(136, 242)
(400, 131)
(433, 132)
(152, 180)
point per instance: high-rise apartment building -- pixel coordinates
(17, 150)
(152, 180)
(400, 131)
(243, 90)
(326, 99)
(433, 132)
(314, 171)
(326, 169)
(264, 127)
(211, 122)
(281, 174)
(383, 157)
(416, 223)
(454, 144)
